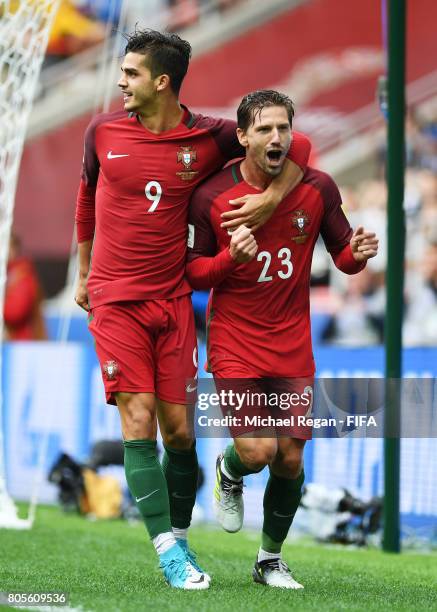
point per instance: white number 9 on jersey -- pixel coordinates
(153, 193)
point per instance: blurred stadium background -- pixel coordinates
(327, 55)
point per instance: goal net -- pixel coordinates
(24, 31)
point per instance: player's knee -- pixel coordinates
(290, 465)
(178, 437)
(137, 412)
(258, 455)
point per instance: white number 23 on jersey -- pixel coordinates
(286, 270)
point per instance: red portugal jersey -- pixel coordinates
(133, 200)
(259, 312)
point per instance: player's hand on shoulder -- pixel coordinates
(81, 295)
(364, 244)
(243, 246)
(253, 210)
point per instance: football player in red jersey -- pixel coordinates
(140, 167)
(259, 341)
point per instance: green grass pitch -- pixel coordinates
(110, 565)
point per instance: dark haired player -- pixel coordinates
(140, 167)
(259, 325)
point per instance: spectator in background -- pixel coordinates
(420, 326)
(71, 33)
(107, 10)
(359, 318)
(357, 303)
(428, 213)
(23, 296)
(421, 141)
(183, 13)
(227, 4)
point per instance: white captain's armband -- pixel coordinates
(190, 236)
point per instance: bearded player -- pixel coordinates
(140, 168)
(259, 325)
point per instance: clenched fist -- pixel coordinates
(81, 297)
(243, 246)
(364, 244)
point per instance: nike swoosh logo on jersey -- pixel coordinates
(112, 156)
(138, 499)
(190, 389)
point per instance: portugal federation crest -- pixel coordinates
(186, 156)
(110, 368)
(299, 220)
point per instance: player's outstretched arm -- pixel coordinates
(255, 209)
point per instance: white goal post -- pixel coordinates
(24, 31)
